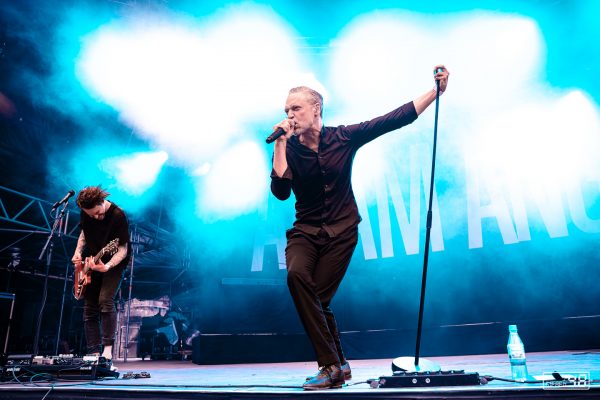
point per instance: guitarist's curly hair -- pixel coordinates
(91, 196)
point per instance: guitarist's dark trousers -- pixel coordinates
(99, 311)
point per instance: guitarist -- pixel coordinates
(101, 221)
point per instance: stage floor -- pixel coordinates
(185, 380)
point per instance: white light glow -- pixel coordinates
(547, 142)
(496, 108)
(237, 182)
(490, 57)
(202, 169)
(135, 173)
(190, 86)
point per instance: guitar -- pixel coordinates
(83, 275)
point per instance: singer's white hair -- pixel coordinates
(313, 94)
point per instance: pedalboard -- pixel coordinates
(67, 367)
(429, 379)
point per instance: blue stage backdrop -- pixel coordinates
(169, 105)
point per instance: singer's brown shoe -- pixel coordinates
(345, 369)
(329, 377)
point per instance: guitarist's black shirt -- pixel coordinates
(99, 232)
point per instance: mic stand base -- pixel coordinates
(407, 364)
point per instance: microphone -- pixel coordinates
(275, 135)
(63, 200)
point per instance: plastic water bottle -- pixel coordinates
(516, 355)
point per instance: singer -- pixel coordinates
(315, 162)
(101, 221)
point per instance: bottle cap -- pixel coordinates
(512, 328)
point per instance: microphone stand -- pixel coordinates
(48, 250)
(406, 363)
(420, 372)
(64, 293)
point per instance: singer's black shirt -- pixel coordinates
(321, 181)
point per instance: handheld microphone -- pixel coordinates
(63, 200)
(275, 135)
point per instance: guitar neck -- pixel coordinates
(99, 255)
(110, 248)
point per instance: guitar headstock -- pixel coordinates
(111, 247)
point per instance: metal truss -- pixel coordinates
(23, 215)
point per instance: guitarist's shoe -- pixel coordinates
(111, 366)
